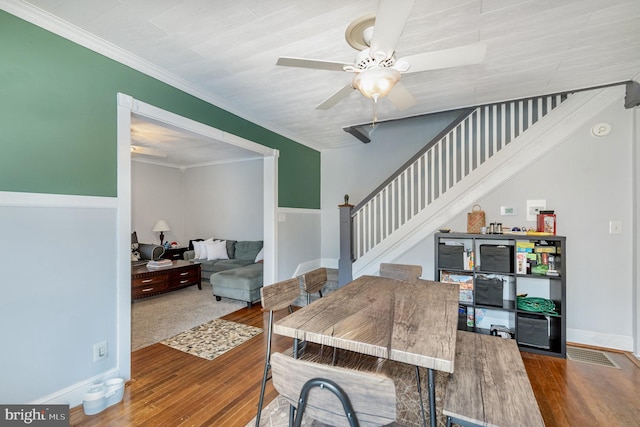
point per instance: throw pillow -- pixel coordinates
(203, 248)
(260, 256)
(217, 250)
(197, 249)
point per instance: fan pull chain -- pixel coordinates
(375, 111)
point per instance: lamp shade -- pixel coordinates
(376, 82)
(161, 225)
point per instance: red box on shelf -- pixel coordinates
(547, 222)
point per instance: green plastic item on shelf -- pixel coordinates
(540, 269)
(537, 305)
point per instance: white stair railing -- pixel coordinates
(443, 163)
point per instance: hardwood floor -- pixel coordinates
(581, 394)
(171, 388)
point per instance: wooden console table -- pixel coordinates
(146, 281)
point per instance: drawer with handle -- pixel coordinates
(148, 280)
(184, 277)
(148, 289)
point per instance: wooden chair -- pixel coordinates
(320, 390)
(313, 281)
(275, 297)
(406, 272)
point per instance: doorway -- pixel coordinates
(127, 106)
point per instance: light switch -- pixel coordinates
(534, 207)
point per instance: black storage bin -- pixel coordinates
(533, 330)
(496, 258)
(489, 291)
(462, 318)
(451, 256)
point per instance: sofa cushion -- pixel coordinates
(248, 249)
(245, 278)
(231, 248)
(229, 264)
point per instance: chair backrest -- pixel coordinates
(314, 280)
(280, 295)
(406, 272)
(373, 396)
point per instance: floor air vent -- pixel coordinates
(595, 357)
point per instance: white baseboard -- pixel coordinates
(315, 263)
(74, 394)
(596, 339)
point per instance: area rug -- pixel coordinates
(212, 339)
(162, 316)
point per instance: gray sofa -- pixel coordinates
(238, 277)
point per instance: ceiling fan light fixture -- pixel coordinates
(376, 82)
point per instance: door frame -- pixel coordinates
(126, 106)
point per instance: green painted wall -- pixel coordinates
(58, 119)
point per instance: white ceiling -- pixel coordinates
(226, 51)
(177, 147)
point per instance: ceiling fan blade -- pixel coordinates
(391, 17)
(336, 97)
(401, 98)
(315, 64)
(447, 58)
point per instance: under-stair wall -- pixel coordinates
(475, 158)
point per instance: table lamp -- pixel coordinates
(161, 226)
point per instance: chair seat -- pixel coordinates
(276, 413)
(408, 410)
(370, 397)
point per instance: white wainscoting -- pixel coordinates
(60, 291)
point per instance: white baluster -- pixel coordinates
(494, 128)
(503, 125)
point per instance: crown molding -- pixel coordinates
(62, 28)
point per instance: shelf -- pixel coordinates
(553, 350)
(455, 270)
(534, 331)
(539, 276)
(507, 305)
(500, 273)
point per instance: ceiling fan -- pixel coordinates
(377, 70)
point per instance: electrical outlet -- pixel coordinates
(100, 351)
(615, 227)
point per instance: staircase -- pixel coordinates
(479, 152)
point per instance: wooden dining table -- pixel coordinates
(409, 322)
